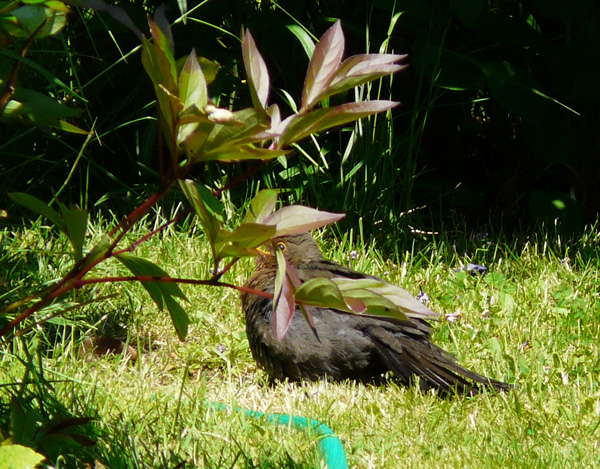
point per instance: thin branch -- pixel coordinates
(10, 89)
(152, 233)
(225, 269)
(58, 313)
(238, 179)
(190, 281)
(138, 213)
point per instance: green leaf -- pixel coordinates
(163, 38)
(321, 292)
(30, 17)
(193, 95)
(183, 8)
(36, 205)
(22, 424)
(518, 91)
(244, 152)
(323, 66)
(384, 299)
(247, 235)
(243, 241)
(170, 105)
(178, 316)
(98, 250)
(67, 127)
(299, 126)
(193, 144)
(256, 73)
(261, 206)
(245, 127)
(210, 68)
(41, 110)
(158, 291)
(35, 103)
(158, 66)
(192, 85)
(18, 456)
(305, 39)
(362, 296)
(75, 227)
(469, 11)
(299, 219)
(206, 206)
(162, 293)
(447, 69)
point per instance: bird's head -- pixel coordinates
(297, 248)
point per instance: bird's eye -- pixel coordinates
(281, 246)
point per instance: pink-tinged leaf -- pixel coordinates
(275, 121)
(261, 206)
(300, 126)
(283, 299)
(356, 304)
(297, 283)
(299, 219)
(383, 299)
(275, 114)
(256, 71)
(116, 12)
(192, 85)
(366, 296)
(323, 66)
(163, 34)
(360, 69)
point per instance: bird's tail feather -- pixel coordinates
(409, 357)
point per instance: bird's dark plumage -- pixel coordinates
(348, 346)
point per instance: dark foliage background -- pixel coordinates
(499, 123)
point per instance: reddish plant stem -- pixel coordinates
(72, 279)
(190, 281)
(225, 269)
(59, 290)
(138, 213)
(236, 180)
(10, 88)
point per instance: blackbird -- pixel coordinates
(346, 346)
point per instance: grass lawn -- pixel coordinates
(533, 320)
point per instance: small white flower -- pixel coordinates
(453, 317)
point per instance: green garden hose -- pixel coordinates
(330, 447)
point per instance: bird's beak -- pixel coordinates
(263, 252)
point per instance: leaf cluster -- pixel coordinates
(195, 130)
